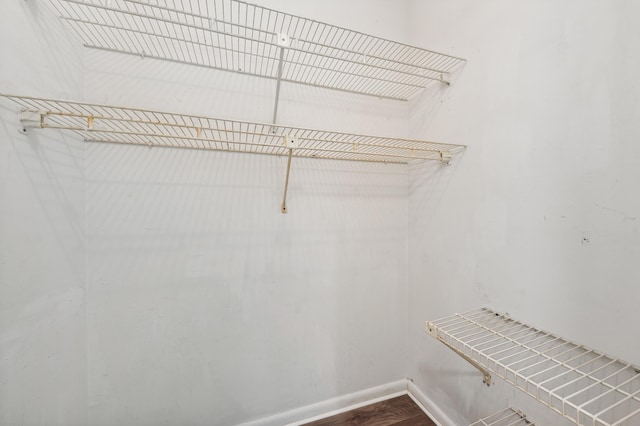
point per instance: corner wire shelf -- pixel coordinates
(582, 384)
(113, 124)
(506, 417)
(241, 37)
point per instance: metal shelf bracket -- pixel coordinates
(433, 331)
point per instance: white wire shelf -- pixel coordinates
(506, 417)
(102, 123)
(584, 385)
(241, 37)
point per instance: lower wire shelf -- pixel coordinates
(135, 126)
(125, 125)
(582, 384)
(506, 417)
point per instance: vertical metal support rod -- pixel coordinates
(283, 208)
(275, 106)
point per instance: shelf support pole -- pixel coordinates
(283, 208)
(290, 142)
(275, 105)
(433, 331)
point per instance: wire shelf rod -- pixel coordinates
(273, 153)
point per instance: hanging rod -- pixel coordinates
(236, 36)
(114, 124)
(584, 385)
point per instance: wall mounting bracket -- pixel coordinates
(31, 120)
(445, 157)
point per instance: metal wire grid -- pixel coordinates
(236, 36)
(584, 385)
(506, 417)
(102, 123)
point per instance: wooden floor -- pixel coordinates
(400, 411)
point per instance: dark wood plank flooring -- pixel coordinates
(400, 411)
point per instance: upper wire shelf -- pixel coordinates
(584, 385)
(103, 123)
(241, 37)
(506, 417)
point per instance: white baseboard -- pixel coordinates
(333, 406)
(437, 415)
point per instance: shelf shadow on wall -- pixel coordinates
(182, 192)
(315, 107)
(428, 183)
(63, 59)
(115, 78)
(190, 257)
(53, 167)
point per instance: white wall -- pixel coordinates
(198, 300)
(195, 300)
(42, 272)
(205, 303)
(540, 217)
